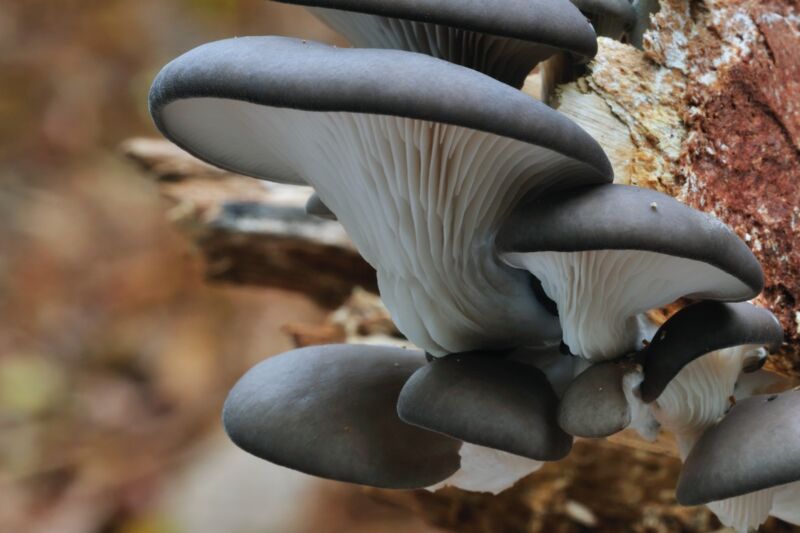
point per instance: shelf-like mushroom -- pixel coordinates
(606, 254)
(505, 39)
(682, 380)
(419, 159)
(743, 463)
(701, 329)
(330, 411)
(485, 399)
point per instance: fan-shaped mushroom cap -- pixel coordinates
(418, 158)
(316, 207)
(330, 411)
(607, 253)
(502, 38)
(699, 329)
(595, 404)
(756, 446)
(610, 18)
(486, 400)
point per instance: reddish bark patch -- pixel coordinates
(743, 158)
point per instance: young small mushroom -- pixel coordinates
(599, 402)
(315, 207)
(484, 399)
(420, 160)
(681, 381)
(605, 257)
(743, 462)
(330, 411)
(703, 328)
(610, 18)
(505, 39)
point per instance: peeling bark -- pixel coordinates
(709, 112)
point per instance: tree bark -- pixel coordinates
(709, 112)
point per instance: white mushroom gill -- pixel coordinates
(747, 512)
(420, 200)
(701, 394)
(487, 470)
(694, 401)
(744, 513)
(601, 293)
(506, 59)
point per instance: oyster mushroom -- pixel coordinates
(484, 399)
(505, 39)
(703, 328)
(419, 159)
(330, 411)
(601, 401)
(747, 466)
(681, 381)
(607, 254)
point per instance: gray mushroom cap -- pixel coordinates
(486, 400)
(609, 17)
(700, 329)
(502, 38)
(316, 207)
(607, 253)
(280, 72)
(623, 217)
(755, 446)
(419, 159)
(594, 405)
(330, 411)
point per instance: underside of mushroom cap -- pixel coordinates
(755, 446)
(486, 400)
(556, 23)
(281, 72)
(608, 253)
(330, 411)
(699, 329)
(418, 158)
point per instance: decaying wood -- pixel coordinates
(253, 232)
(709, 112)
(621, 484)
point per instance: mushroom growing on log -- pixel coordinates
(492, 225)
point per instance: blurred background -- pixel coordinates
(115, 355)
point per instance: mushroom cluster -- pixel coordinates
(503, 250)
